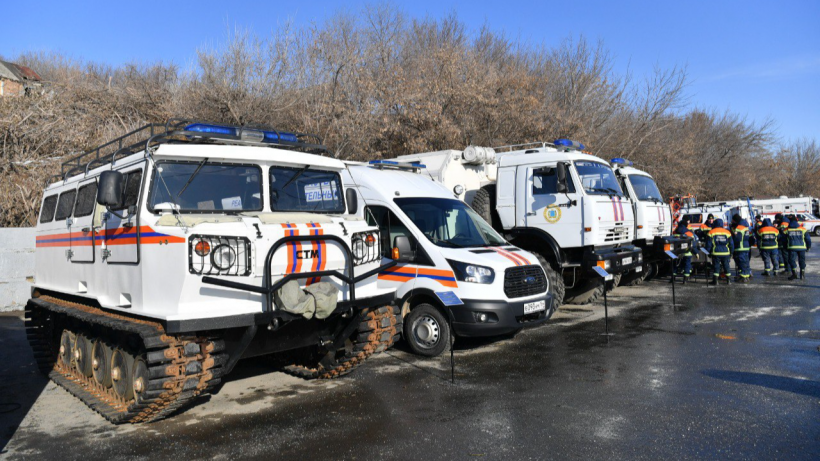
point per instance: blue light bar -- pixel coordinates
(412, 165)
(272, 137)
(621, 161)
(569, 143)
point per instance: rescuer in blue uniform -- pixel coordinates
(740, 237)
(784, 244)
(720, 244)
(767, 242)
(799, 243)
(685, 260)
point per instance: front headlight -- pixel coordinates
(365, 247)
(223, 257)
(471, 272)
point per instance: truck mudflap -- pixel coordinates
(614, 260)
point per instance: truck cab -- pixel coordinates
(552, 199)
(462, 277)
(653, 226)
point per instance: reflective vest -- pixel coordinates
(741, 236)
(768, 238)
(784, 239)
(797, 238)
(719, 241)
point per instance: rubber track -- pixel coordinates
(379, 330)
(180, 368)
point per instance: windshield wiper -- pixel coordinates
(193, 175)
(298, 173)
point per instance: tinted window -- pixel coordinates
(694, 218)
(66, 204)
(545, 182)
(133, 181)
(86, 199)
(208, 187)
(49, 206)
(297, 189)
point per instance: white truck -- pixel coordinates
(653, 226)
(551, 199)
(462, 278)
(166, 255)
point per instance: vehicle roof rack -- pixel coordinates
(382, 164)
(526, 145)
(180, 130)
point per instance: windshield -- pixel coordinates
(449, 223)
(206, 187)
(303, 189)
(645, 188)
(598, 178)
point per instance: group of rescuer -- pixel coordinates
(782, 244)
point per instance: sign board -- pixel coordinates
(604, 274)
(703, 250)
(449, 298)
(671, 255)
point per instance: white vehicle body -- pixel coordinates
(574, 230)
(145, 264)
(653, 226)
(407, 202)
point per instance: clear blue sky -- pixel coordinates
(758, 58)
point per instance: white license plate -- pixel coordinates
(626, 261)
(536, 306)
(639, 269)
(684, 245)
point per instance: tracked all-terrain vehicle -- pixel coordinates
(166, 255)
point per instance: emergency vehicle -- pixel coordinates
(551, 199)
(166, 255)
(462, 278)
(653, 225)
(802, 207)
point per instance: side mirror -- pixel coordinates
(110, 189)
(402, 251)
(352, 199)
(561, 173)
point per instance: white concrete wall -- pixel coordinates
(16, 267)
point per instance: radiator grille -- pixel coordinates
(524, 281)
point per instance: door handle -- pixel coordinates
(531, 213)
(86, 230)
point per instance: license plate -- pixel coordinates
(684, 245)
(535, 306)
(639, 269)
(626, 261)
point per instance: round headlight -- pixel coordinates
(223, 257)
(458, 189)
(359, 248)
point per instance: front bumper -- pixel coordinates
(615, 260)
(504, 316)
(677, 245)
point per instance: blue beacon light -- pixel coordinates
(569, 143)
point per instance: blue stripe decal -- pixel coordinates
(105, 237)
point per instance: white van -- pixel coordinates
(462, 274)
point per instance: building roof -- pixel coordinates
(18, 73)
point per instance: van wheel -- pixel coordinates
(588, 293)
(817, 231)
(426, 331)
(557, 288)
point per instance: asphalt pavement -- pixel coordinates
(727, 372)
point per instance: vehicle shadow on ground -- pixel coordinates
(782, 383)
(20, 381)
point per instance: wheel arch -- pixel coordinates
(533, 240)
(420, 296)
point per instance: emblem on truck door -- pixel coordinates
(552, 214)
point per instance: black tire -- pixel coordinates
(589, 292)
(614, 283)
(817, 231)
(484, 205)
(557, 288)
(632, 278)
(427, 331)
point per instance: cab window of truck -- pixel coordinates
(86, 199)
(645, 188)
(131, 188)
(390, 227)
(545, 182)
(598, 178)
(449, 223)
(49, 207)
(694, 218)
(207, 187)
(65, 205)
(303, 189)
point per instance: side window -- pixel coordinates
(86, 198)
(133, 181)
(49, 206)
(545, 182)
(390, 227)
(66, 204)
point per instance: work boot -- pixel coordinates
(685, 278)
(738, 278)
(793, 276)
(802, 274)
(714, 280)
(765, 274)
(785, 272)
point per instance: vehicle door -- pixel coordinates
(401, 277)
(121, 239)
(560, 214)
(82, 229)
